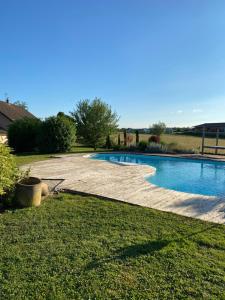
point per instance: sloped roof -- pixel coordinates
(211, 125)
(14, 112)
(2, 130)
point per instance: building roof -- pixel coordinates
(2, 130)
(211, 125)
(14, 112)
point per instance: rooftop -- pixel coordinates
(211, 125)
(14, 112)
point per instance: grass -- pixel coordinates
(184, 141)
(26, 158)
(75, 247)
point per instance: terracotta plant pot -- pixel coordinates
(28, 192)
(44, 190)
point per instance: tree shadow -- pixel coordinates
(137, 250)
(132, 251)
(150, 248)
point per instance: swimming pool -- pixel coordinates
(180, 174)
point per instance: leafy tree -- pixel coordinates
(62, 114)
(158, 128)
(94, 120)
(57, 134)
(108, 143)
(9, 171)
(22, 104)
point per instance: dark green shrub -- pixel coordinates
(142, 145)
(57, 134)
(22, 134)
(117, 147)
(9, 172)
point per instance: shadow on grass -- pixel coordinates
(132, 251)
(137, 250)
(150, 248)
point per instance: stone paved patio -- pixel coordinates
(126, 183)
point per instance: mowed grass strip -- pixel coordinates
(27, 158)
(74, 247)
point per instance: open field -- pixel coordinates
(74, 247)
(184, 141)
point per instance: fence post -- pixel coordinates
(217, 139)
(203, 139)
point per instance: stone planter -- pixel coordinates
(28, 192)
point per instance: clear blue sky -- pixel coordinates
(150, 60)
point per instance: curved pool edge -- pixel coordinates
(198, 157)
(164, 159)
(127, 184)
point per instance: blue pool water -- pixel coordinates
(185, 175)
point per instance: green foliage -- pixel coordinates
(62, 114)
(142, 145)
(108, 143)
(75, 247)
(57, 134)
(158, 128)
(22, 134)
(8, 170)
(178, 149)
(95, 120)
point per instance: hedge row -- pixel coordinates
(54, 134)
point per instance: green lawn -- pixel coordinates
(26, 158)
(75, 247)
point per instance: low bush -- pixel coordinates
(57, 134)
(23, 133)
(177, 149)
(154, 139)
(132, 148)
(142, 145)
(156, 148)
(9, 173)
